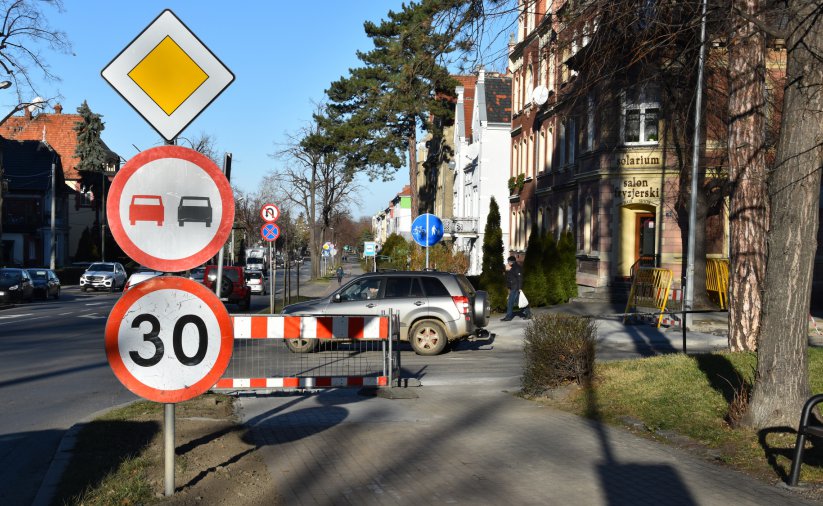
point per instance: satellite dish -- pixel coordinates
(540, 95)
(36, 103)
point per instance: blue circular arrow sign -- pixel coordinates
(269, 232)
(427, 230)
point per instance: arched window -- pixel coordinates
(540, 219)
(560, 222)
(587, 226)
(530, 157)
(529, 84)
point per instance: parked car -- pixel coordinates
(140, 276)
(258, 283)
(435, 307)
(233, 287)
(194, 209)
(15, 285)
(197, 274)
(109, 276)
(45, 282)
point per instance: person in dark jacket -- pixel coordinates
(339, 274)
(514, 282)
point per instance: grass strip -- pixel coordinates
(668, 396)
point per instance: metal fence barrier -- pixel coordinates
(717, 279)
(650, 289)
(351, 351)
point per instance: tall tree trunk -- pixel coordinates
(748, 219)
(314, 245)
(781, 383)
(415, 198)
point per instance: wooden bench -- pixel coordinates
(803, 431)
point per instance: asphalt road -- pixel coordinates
(53, 374)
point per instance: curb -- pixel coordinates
(62, 457)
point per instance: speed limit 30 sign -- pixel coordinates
(169, 339)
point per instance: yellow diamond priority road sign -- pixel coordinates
(168, 75)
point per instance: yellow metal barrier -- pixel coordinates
(717, 279)
(650, 289)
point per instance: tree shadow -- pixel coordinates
(106, 446)
(720, 373)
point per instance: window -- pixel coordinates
(571, 137)
(587, 226)
(434, 287)
(590, 123)
(640, 115)
(361, 290)
(541, 151)
(397, 287)
(529, 84)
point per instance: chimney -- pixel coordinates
(26, 113)
(58, 109)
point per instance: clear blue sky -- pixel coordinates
(283, 55)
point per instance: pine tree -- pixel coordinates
(555, 291)
(534, 279)
(492, 277)
(395, 92)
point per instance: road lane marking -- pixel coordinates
(92, 316)
(15, 316)
(94, 303)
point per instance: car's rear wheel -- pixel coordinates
(428, 337)
(244, 304)
(83, 289)
(301, 345)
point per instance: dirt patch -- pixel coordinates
(214, 463)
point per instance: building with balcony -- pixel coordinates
(482, 141)
(395, 219)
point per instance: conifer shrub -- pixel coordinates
(534, 279)
(558, 349)
(555, 291)
(568, 265)
(492, 277)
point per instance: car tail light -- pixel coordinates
(462, 303)
(126, 286)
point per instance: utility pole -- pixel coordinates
(53, 248)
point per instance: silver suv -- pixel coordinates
(109, 276)
(435, 307)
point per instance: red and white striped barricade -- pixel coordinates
(351, 351)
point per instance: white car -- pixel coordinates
(140, 276)
(109, 276)
(257, 282)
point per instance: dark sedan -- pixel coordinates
(46, 283)
(15, 285)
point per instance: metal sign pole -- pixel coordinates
(271, 280)
(168, 447)
(427, 237)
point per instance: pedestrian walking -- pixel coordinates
(339, 274)
(514, 282)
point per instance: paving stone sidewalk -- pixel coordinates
(465, 446)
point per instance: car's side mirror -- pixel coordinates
(336, 298)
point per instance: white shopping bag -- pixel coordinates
(522, 301)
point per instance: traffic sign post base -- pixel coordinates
(168, 447)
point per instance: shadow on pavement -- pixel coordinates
(616, 478)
